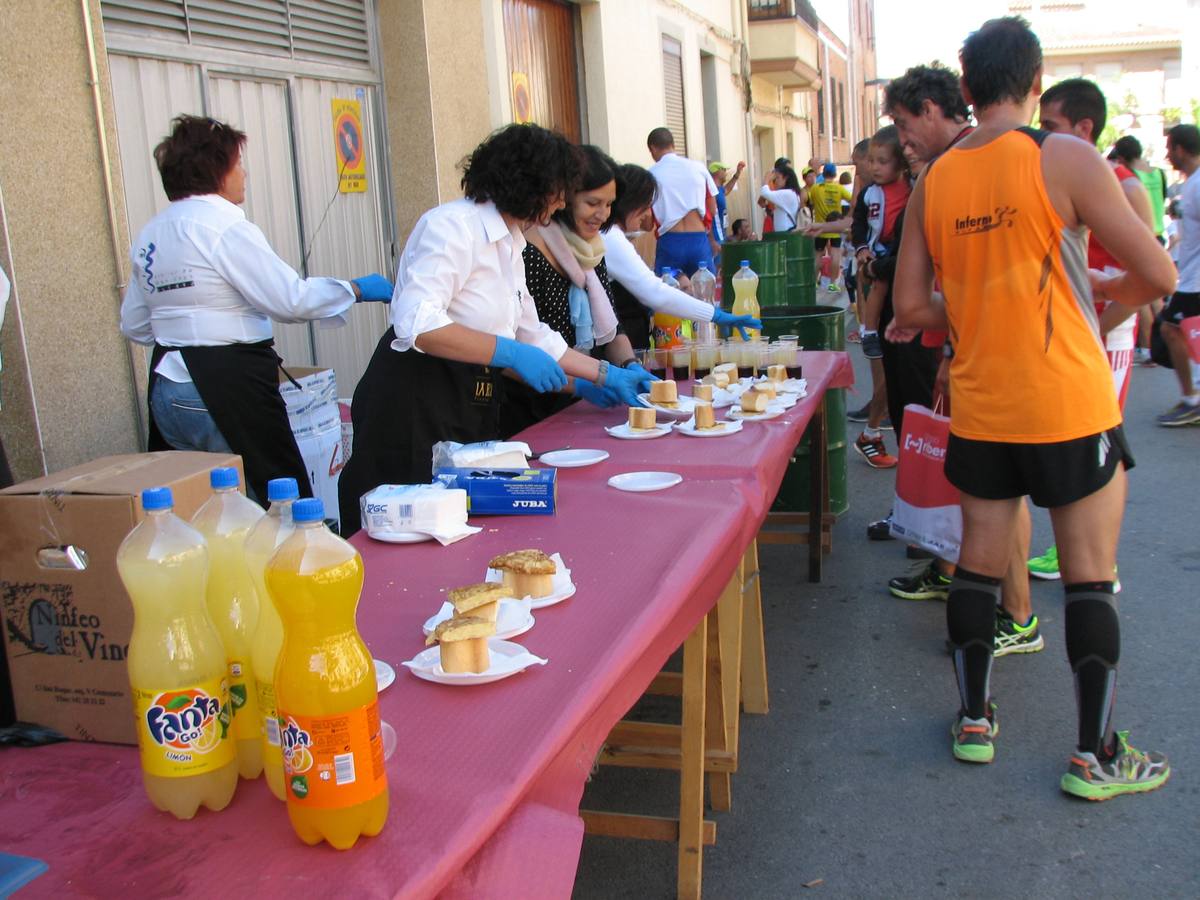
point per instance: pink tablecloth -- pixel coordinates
(485, 782)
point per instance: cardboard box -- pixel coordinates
(505, 492)
(67, 617)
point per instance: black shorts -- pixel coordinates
(1052, 475)
(823, 242)
(1182, 305)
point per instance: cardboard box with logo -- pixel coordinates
(67, 617)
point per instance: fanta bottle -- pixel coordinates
(177, 665)
(667, 330)
(745, 299)
(333, 768)
(271, 530)
(225, 520)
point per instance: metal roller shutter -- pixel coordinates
(672, 56)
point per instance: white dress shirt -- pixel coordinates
(626, 265)
(462, 265)
(683, 186)
(203, 276)
(787, 207)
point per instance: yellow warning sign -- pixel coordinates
(348, 145)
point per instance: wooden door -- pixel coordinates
(543, 78)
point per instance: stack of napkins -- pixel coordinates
(484, 455)
(433, 509)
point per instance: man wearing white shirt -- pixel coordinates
(686, 194)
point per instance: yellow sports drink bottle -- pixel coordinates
(177, 667)
(329, 723)
(225, 520)
(745, 299)
(264, 538)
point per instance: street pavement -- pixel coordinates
(848, 787)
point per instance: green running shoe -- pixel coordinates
(1046, 565)
(1130, 771)
(973, 737)
(1014, 638)
(928, 584)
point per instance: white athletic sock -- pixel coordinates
(867, 331)
(1193, 400)
(870, 435)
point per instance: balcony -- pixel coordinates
(783, 43)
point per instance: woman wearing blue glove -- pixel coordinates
(205, 288)
(635, 287)
(461, 315)
(568, 280)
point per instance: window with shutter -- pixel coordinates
(675, 120)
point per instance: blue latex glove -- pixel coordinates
(373, 288)
(602, 397)
(644, 377)
(624, 384)
(535, 366)
(741, 323)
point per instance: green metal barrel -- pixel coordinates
(819, 328)
(799, 260)
(766, 259)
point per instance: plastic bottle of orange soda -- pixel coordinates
(177, 668)
(272, 530)
(225, 520)
(329, 723)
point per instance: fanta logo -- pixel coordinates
(185, 720)
(295, 742)
(924, 448)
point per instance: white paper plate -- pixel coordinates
(689, 428)
(771, 413)
(793, 386)
(514, 618)
(721, 397)
(573, 459)
(686, 407)
(389, 740)
(506, 658)
(384, 675)
(564, 588)
(625, 433)
(639, 482)
(401, 537)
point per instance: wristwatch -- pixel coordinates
(632, 361)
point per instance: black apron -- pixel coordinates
(239, 383)
(634, 318)
(523, 407)
(403, 405)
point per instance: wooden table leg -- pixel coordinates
(691, 772)
(724, 684)
(818, 491)
(754, 650)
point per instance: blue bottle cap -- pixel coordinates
(223, 477)
(282, 489)
(703, 266)
(157, 498)
(310, 509)
(745, 263)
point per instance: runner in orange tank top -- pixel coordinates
(1002, 219)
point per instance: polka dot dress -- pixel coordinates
(549, 290)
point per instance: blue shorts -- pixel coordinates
(683, 250)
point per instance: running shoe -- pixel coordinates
(859, 415)
(834, 287)
(1130, 771)
(1045, 566)
(874, 452)
(1014, 638)
(973, 737)
(1180, 414)
(927, 584)
(872, 347)
(880, 529)
(1141, 357)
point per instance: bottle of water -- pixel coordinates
(704, 288)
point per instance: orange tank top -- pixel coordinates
(1029, 366)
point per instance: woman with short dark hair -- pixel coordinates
(462, 314)
(205, 288)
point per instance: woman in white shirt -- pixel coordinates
(785, 193)
(205, 288)
(462, 314)
(635, 287)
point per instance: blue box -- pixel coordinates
(505, 492)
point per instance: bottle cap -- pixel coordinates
(745, 263)
(703, 266)
(282, 489)
(223, 477)
(157, 498)
(310, 509)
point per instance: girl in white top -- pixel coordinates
(785, 193)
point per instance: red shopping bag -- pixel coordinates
(926, 510)
(827, 266)
(1191, 333)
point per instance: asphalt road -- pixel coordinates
(849, 780)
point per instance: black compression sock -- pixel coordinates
(1094, 649)
(971, 623)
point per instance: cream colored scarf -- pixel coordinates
(592, 312)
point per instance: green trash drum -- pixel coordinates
(766, 259)
(800, 266)
(819, 328)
